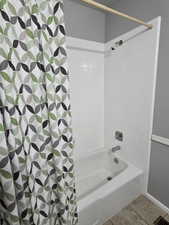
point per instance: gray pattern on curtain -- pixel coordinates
(37, 183)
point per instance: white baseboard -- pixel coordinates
(157, 202)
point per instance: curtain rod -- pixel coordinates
(106, 8)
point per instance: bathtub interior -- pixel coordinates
(95, 170)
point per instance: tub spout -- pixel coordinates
(116, 148)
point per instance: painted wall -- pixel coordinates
(84, 22)
(130, 75)
(158, 179)
(148, 9)
(87, 95)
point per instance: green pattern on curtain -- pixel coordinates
(37, 183)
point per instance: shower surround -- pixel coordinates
(113, 90)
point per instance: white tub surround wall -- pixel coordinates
(130, 80)
(115, 92)
(86, 60)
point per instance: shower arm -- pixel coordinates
(110, 10)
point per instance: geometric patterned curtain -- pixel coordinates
(37, 185)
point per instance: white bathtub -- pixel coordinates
(105, 184)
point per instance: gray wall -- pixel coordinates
(147, 10)
(84, 22)
(159, 167)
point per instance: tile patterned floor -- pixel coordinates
(140, 212)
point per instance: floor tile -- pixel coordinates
(146, 209)
(127, 217)
(108, 223)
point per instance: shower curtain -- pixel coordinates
(37, 184)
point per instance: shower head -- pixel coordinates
(117, 44)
